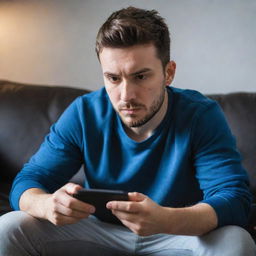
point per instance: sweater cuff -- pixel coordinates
(223, 208)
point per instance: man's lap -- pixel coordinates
(93, 237)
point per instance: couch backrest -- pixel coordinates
(26, 113)
(240, 112)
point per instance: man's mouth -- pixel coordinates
(129, 109)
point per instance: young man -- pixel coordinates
(172, 147)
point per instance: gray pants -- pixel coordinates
(22, 235)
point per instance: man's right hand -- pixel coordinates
(60, 208)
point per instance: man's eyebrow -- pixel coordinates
(140, 71)
(132, 74)
(109, 74)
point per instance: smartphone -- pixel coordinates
(99, 199)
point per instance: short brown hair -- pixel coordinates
(131, 26)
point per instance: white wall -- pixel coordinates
(52, 41)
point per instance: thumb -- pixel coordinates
(136, 196)
(72, 188)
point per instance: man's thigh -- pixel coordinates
(26, 235)
(228, 241)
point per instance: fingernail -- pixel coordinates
(92, 210)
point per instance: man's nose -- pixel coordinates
(128, 92)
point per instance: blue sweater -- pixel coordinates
(191, 157)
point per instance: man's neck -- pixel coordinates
(145, 131)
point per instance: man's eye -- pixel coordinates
(113, 79)
(141, 77)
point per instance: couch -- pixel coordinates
(27, 111)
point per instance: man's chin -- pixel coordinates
(133, 122)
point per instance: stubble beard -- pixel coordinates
(153, 110)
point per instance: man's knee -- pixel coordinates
(14, 227)
(14, 221)
(240, 237)
(228, 240)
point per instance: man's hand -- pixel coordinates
(141, 215)
(144, 217)
(60, 208)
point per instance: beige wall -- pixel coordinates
(52, 41)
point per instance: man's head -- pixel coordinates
(133, 26)
(133, 49)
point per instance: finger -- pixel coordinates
(60, 219)
(125, 206)
(84, 207)
(78, 205)
(129, 224)
(69, 212)
(72, 188)
(137, 197)
(127, 216)
(70, 202)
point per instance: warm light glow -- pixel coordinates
(6, 23)
(8, 26)
(16, 36)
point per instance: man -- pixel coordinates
(171, 146)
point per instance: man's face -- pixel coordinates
(135, 82)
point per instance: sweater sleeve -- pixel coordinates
(57, 160)
(218, 167)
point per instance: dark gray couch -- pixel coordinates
(27, 111)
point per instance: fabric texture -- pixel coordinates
(23, 235)
(191, 156)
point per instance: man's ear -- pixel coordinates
(169, 72)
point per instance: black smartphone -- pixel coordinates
(99, 199)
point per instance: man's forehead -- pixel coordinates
(135, 50)
(131, 59)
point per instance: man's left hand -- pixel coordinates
(141, 215)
